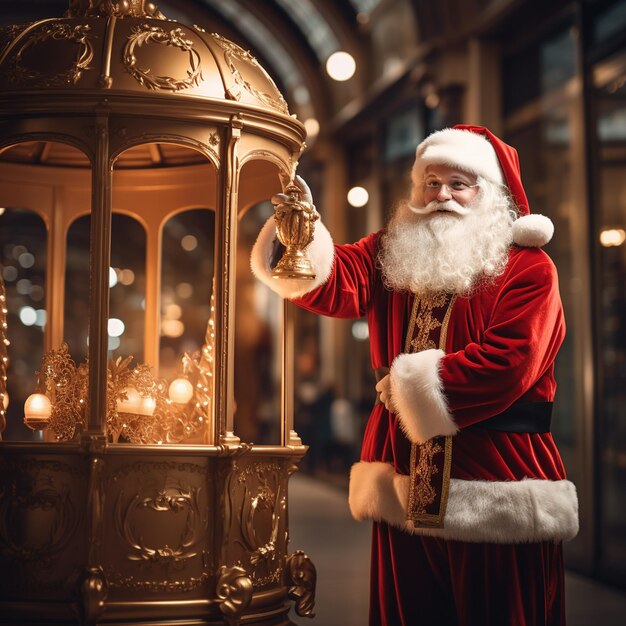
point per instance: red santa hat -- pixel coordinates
(477, 150)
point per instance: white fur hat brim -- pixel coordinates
(461, 149)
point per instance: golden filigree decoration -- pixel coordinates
(8, 35)
(77, 33)
(93, 593)
(147, 33)
(113, 8)
(172, 499)
(4, 355)
(234, 591)
(302, 579)
(232, 54)
(116, 580)
(261, 498)
(32, 487)
(254, 491)
(66, 385)
(166, 422)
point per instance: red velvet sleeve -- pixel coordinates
(347, 293)
(515, 358)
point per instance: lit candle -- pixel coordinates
(147, 406)
(37, 411)
(180, 391)
(132, 404)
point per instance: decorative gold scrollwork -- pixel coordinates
(113, 8)
(117, 581)
(145, 34)
(93, 591)
(253, 511)
(32, 499)
(58, 32)
(234, 590)
(172, 499)
(233, 54)
(302, 578)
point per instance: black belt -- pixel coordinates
(521, 417)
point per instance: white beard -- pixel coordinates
(456, 251)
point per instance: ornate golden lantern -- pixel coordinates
(142, 504)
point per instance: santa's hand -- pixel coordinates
(298, 181)
(383, 386)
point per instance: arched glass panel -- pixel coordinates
(258, 333)
(188, 244)
(127, 288)
(23, 250)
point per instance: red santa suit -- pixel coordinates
(463, 481)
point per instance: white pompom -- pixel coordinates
(532, 231)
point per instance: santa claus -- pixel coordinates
(458, 470)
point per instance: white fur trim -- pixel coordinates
(417, 392)
(532, 231)
(528, 510)
(321, 253)
(462, 149)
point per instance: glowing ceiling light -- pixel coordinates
(28, 315)
(358, 196)
(184, 290)
(26, 260)
(172, 328)
(42, 317)
(340, 66)
(173, 311)
(360, 330)
(188, 243)
(116, 327)
(9, 273)
(23, 286)
(301, 94)
(127, 277)
(612, 237)
(312, 127)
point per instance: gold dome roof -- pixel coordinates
(128, 47)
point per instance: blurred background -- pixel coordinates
(370, 79)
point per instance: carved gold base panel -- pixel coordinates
(142, 536)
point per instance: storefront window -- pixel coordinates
(610, 243)
(544, 123)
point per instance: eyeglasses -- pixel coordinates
(454, 187)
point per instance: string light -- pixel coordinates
(4, 356)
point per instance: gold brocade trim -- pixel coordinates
(422, 317)
(422, 493)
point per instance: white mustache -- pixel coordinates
(452, 206)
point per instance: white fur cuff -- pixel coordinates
(417, 393)
(532, 231)
(321, 253)
(528, 510)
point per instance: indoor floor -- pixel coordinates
(320, 524)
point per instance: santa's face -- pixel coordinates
(456, 238)
(444, 190)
